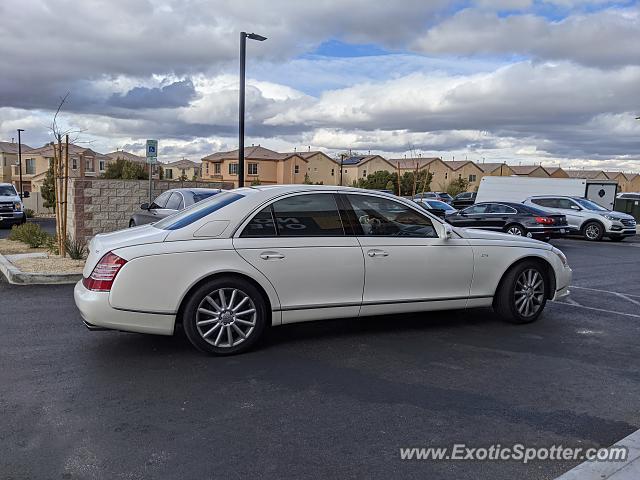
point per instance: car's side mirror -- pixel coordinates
(575, 207)
(448, 231)
(144, 206)
(26, 194)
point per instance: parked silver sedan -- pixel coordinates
(170, 202)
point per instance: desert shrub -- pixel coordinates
(29, 212)
(75, 248)
(29, 233)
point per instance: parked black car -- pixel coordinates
(463, 200)
(512, 218)
(436, 207)
(170, 202)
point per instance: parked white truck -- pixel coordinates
(587, 204)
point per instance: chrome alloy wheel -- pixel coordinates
(515, 231)
(592, 232)
(226, 317)
(529, 292)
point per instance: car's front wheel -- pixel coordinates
(225, 316)
(521, 296)
(593, 231)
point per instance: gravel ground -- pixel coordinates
(9, 247)
(52, 264)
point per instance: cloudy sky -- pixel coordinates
(522, 81)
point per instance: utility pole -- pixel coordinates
(341, 167)
(243, 59)
(20, 130)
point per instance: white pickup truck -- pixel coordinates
(11, 206)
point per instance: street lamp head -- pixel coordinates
(21, 129)
(255, 36)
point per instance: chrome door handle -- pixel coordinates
(377, 253)
(271, 255)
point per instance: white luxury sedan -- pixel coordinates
(232, 265)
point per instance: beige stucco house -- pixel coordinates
(262, 166)
(588, 174)
(556, 172)
(530, 171)
(182, 170)
(357, 167)
(440, 172)
(321, 168)
(9, 158)
(468, 170)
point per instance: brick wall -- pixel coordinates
(101, 205)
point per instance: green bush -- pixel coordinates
(76, 249)
(51, 245)
(29, 233)
(29, 212)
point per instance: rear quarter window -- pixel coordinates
(197, 211)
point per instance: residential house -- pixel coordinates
(122, 155)
(622, 179)
(182, 170)
(530, 171)
(468, 170)
(634, 183)
(83, 162)
(556, 172)
(262, 166)
(588, 174)
(440, 172)
(356, 167)
(321, 168)
(8, 158)
(496, 169)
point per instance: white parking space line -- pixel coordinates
(626, 296)
(573, 303)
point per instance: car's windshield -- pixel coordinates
(7, 191)
(589, 205)
(197, 211)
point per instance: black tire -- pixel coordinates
(132, 223)
(616, 238)
(24, 219)
(505, 303)
(513, 228)
(196, 334)
(593, 231)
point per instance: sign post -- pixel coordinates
(152, 159)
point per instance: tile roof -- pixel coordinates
(491, 166)
(250, 153)
(584, 173)
(410, 163)
(126, 156)
(525, 169)
(183, 163)
(457, 164)
(310, 153)
(12, 147)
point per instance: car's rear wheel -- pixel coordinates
(225, 316)
(521, 296)
(515, 230)
(593, 231)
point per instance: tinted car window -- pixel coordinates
(314, 215)
(499, 208)
(175, 202)
(566, 204)
(477, 209)
(261, 225)
(161, 201)
(197, 211)
(198, 197)
(546, 202)
(382, 217)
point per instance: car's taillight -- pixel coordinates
(544, 220)
(104, 273)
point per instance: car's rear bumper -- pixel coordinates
(98, 314)
(548, 232)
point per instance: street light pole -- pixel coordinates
(243, 58)
(20, 130)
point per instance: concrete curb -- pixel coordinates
(16, 276)
(627, 470)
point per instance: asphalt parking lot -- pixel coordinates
(326, 399)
